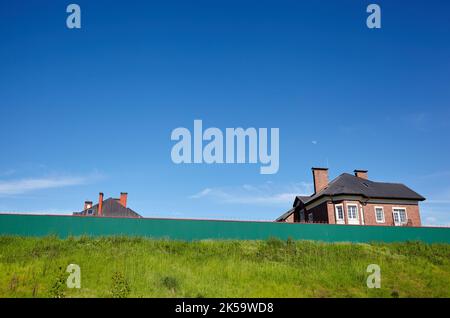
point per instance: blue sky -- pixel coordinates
(90, 110)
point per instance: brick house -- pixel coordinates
(354, 199)
(110, 207)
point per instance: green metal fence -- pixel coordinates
(64, 226)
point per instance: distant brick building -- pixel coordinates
(110, 207)
(354, 199)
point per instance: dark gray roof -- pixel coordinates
(303, 199)
(347, 184)
(112, 207)
(285, 215)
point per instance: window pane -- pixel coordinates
(402, 216)
(396, 217)
(352, 214)
(340, 213)
(379, 214)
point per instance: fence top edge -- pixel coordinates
(219, 221)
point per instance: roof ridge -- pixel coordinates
(348, 184)
(331, 182)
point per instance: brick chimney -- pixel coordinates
(363, 174)
(100, 204)
(123, 199)
(320, 176)
(87, 205)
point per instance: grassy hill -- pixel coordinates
(137, 267)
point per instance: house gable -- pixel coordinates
(346, 188)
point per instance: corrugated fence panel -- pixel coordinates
(64, 226)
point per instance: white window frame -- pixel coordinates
(361, 209)
(376, 216)
(338, 220)
(352, 220)
(400, 223)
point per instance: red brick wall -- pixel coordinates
(290, 218)
(123, 199)
(320, 177)
(412, 213)
(325, 213)
(331, 213)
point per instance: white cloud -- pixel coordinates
(201, 194)
(430, 220)
(267, 193)
(435, 214)
(13, 187)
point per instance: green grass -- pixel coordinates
(138, 267)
